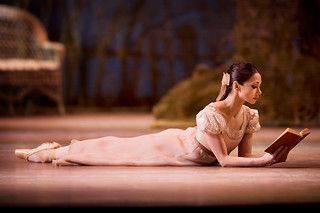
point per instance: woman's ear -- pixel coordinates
(236, 86)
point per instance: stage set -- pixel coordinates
(23, 184)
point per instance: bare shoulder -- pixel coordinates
(250, 110)
(220, 106)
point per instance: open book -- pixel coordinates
(289, 138)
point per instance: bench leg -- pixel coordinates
(56, 96)
(11, 107)
(62, 110)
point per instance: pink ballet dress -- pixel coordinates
(170, 147)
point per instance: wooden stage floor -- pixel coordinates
(22, 184)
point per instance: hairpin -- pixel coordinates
(226, 79)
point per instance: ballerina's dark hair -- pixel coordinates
(240, 72)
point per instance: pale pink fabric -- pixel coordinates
(211, 121)
(171, 147)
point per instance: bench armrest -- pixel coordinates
(56, 48)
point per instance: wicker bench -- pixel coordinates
(28, 61)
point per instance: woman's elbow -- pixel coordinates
(224, 162)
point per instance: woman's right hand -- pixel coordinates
(269, 159)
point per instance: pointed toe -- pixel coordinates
(26, 153)
(22, 153)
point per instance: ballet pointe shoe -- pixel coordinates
(45, 151)
(22, 153)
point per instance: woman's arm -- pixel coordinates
(219, 149)
(245, 146)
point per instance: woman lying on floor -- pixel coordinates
(221, 126)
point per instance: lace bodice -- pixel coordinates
(210, 120)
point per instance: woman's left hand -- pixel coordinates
(280, 155)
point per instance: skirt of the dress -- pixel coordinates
(170, 147)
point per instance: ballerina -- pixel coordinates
(221, 126)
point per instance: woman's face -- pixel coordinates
(250, 90)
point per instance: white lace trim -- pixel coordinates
(253, 118)
(211, 120)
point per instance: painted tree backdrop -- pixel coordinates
(145, 53)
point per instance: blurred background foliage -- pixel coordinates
(168, 56)
(127, 54)
(279, 37)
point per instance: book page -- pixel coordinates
(305, 132)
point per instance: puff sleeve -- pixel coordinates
(253, 121)
(208, 121)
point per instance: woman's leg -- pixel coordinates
(61, 152)
(47, 152)
(44, 153)
(46, 156)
